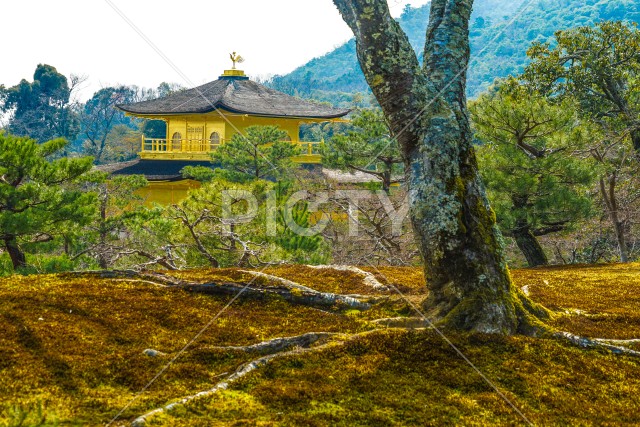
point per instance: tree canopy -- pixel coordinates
(41, 109)
(535, 184)
(598, 66)
(261, 152)
(99, 117)
(367, 147)
(37, 195)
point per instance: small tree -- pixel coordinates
(536, 186)
(211, 229)
(116, 210)
(261, 153)
(36, 198)
(367, 148)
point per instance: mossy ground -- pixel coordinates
(71, 353)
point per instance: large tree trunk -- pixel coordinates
(467, 276)
(18, 258)
(529, 245)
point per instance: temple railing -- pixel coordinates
(200, 149)
(183, 145)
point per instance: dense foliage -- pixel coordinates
(536, 184)
(367, 147)
(598, 69)
(39, 197)
(41, 109)
(262, 152)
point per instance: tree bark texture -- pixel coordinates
(466, 273)
(525, 237)
(529, 245)
(18, 258)
(610, 200)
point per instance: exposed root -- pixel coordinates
(291, 292)
(223, 385)
(596, 343)
(304, 346)
(278, 345)
(295, 296)
(403, 322)
(238, 374)
(367, 278)
(149, 277)
(280, 280)
(617, 342)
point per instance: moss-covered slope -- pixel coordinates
(71, 353)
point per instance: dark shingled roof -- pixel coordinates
(237, 95)
(153, 170)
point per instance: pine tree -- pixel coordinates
(37, 195)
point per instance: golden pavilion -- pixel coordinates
(201, 119)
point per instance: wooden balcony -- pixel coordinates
(195, 149)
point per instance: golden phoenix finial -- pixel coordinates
(235, 58)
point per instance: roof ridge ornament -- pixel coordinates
(235, 58)
(234, 73)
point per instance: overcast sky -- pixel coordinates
(91, 38)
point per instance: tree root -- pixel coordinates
(309, 298)
(297, 286)
(278, 345)
(251, 366)
(597, 343)
(617, 342)
(403, 322)
(223, 385)
(242, 371)
(280, 280)
(297, 294)
(367, 278)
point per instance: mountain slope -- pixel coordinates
(501, 32)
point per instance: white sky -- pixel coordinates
(88, 37)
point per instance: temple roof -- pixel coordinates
(237, 95)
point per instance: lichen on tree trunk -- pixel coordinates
(466, 273)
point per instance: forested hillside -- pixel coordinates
(501, 32)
